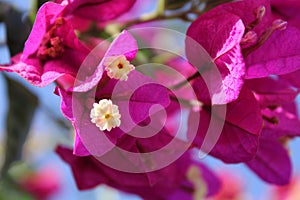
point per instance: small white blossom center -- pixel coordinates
(105, 115)
(118, 67)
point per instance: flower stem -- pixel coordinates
(182, 83)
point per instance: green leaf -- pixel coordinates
(9, 190)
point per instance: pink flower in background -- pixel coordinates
(288, 192)
(171, 182)
(42, 183)
(232, 187)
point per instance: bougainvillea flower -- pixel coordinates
(276, 62)
(134, 98)
(133, 110)
(286, 39)
(98, 10)
(170, 182)
(52, 49)
(237, 141)
(239, 42)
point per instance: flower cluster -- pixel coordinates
(240, 106)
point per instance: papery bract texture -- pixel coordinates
(272, 162)
(222, 42)
(265, 61)
(272, 92)
(238, 139)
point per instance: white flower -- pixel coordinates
(118, 67)
(105, 115)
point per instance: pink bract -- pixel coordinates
(98, 10)
(238, 140)
(167, 183)
(242, 43)
(52, 49)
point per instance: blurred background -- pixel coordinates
(29, 144)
